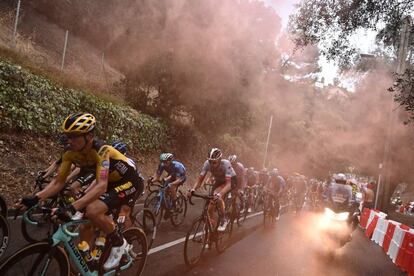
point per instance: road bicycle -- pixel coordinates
(270, 211)
(204, 232)
(60, 256)
(162, 206)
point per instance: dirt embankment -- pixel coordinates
(42, 42)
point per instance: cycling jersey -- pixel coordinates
(123, 179)
(339, 193)
(263, 178)
(251, 179)
(239, 170)
(277, 183)
(176, 170)
(221, 172)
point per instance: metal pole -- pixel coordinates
(16, 21)
(378, 187)
(267, 142)
(64, 49)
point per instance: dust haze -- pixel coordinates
(221, 54)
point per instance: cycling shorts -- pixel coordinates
(123, 193)
(219, 184)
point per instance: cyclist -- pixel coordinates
(251, 182)
(276, 186)
(263, 177)
(224, 181)
(116, 182)
(240, 172)
(300, 187)
(175, 178)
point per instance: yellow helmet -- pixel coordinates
(79, 123)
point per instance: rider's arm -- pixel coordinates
(73, 174)
(102, 174)
(199, 181)
(158, 173)
(58, 183)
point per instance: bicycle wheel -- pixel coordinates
(180, 210)
(151, 195)
(145, 220)
(40, 225)
(223, 237)
(155, 206)
(195, 241)
(35, 259)
(3, 207)
(138, 251)
(4, 235)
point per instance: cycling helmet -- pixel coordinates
(340, 176)
(264, 170)
(214, 154)
(166, 157)
(79, 123)
(274, 172)
(120, 146)
(232, 158)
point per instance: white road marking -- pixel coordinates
(172, 243)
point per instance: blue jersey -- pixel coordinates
(176, 170)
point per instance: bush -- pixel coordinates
(31, 103)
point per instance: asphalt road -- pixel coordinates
(293, 246)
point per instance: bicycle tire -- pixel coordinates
(3, 207)
(199, 225)
(158, 212)
(183, 201)
(152, 194)
(131, 234)
(223, 237)
(145, 220)
(11, 267)
(4, 235)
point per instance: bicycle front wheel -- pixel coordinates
(37, 259)
(179, 211)
(155, 206)
(145, 220)
(4, 235)
(195, 241)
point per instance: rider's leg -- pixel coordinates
(87, 233)
(96, 213)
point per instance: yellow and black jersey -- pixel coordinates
(103, 158)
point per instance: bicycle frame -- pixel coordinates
(65, 237)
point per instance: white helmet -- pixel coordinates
(214, 154)
(233, 158)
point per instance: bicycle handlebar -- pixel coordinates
(205, 197)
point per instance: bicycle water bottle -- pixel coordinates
(85, 252)
(99, 247)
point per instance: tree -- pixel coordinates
(331, 24)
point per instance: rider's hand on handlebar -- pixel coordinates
(217, 196)
(27, 202)
(40, 175)
(190, 192)
(65, 213)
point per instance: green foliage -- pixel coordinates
(34, 104)
(330, 24)
(403, 90)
